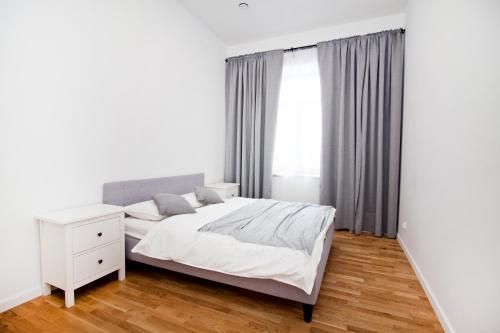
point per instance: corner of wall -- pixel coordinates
(443, 319)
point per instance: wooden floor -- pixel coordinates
(368, 287)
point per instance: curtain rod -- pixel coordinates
(292, 49)
(316, 45)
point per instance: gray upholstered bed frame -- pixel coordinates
(124, 193)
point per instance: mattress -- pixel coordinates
(177, 238)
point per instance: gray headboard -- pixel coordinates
(128, 192)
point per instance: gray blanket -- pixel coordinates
(276, 223)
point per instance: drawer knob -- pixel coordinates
(99, 261)
(99, 234)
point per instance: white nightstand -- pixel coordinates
(225, 190)
(81, 245)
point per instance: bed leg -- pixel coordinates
(308, 312)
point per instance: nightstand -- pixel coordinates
(81, 245)
(225, 190)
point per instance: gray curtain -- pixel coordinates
(252, 94)
(362, 104)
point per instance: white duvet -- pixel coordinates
(177, 238)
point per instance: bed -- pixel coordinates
(125, 193)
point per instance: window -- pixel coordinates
(298, 131)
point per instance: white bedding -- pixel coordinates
(138, 228)
(177, 238)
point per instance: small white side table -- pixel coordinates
(81, 245)
(225, 190)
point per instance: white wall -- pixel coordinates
(303, 188)
(320, 35)
(95, 91)
(450, 188)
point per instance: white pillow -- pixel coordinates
(191, 198)
(146, 210)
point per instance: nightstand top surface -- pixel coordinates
(78, 214)
(222, 185)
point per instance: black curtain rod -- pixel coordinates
(315, 45)
(292, 49)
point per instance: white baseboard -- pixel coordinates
(445, 323)
(20, 298)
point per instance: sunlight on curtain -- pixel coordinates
(298, 133)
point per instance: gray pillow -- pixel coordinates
(207, 196)
(171, 204)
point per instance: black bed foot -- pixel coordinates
(308, 312)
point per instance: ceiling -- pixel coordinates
(269, 18)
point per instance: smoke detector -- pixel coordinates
(243, 5)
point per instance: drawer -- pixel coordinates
(232, 192)
(89, 264)
(88, 236)
(226, 193)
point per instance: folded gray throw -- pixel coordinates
(276, 223)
